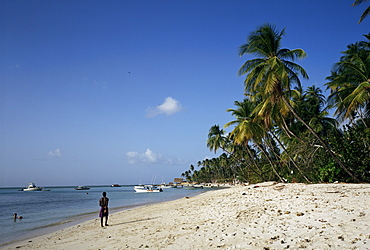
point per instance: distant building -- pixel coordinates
(178, 180)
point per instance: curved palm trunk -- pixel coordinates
(290, 158)
(255, 164)
(268, 143)
(268, 158)
(362, 119)
(335, 158)
(233, 170)
(250, 155)
(289, 132)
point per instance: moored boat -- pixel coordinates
(193, 186)
(32, 187)
(147, 189)
(115, 185)
(82, 188)
(164, 185)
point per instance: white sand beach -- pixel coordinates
(261, 216)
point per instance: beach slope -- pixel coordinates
(262, 216)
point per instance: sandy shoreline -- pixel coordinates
(262, 216)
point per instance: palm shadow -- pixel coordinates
(134, 221)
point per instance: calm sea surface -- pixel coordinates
(44, 211)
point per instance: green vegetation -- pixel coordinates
(282, 132)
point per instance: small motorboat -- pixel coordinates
(147, 189)
(82, 188)
(115, 185)
(32, 187)
(193, 186)
(164, 185)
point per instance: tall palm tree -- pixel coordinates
(248, 128)
(272, 74)
(274, 115)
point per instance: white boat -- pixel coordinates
(164, 185)
(32, 187)
(82, 188)
(147, 189)
(198, 186)
(193, 186)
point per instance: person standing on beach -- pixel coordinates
(103, 203)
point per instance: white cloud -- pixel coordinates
(55, 153)
(177, 161)
(169, 107)
(148, 157)
(132, 157)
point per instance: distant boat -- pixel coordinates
(147, 189)
(82, 188)
(164, 185)
(116, 185)
(32, 187)
(193, 186)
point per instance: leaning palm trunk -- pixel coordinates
(271, 163)
(255, 164)
(235, 158)
(289, 132)
(362, 119)
(335, 158)
(269, 144)
(290, 158)
(252, 159)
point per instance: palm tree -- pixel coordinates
(272, 74)
(216, 139)
(192, 168)
(315, 111)
(350, 82)
(314, 99)
(366, 12)
(248, 128)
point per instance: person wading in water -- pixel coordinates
(103, 203)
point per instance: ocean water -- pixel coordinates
(45, 211)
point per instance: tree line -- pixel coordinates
(283, 132)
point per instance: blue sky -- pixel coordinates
(103, 91)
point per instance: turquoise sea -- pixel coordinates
(47, 211)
